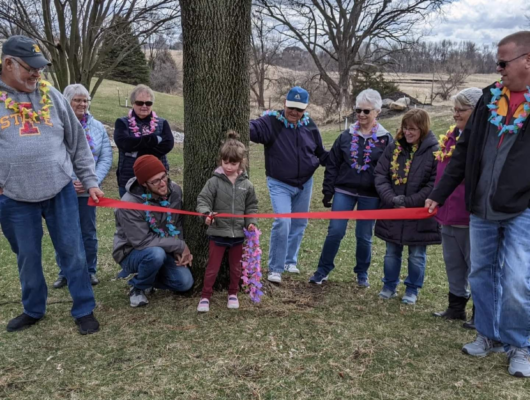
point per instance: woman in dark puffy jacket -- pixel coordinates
(349, 181)
(404, 178)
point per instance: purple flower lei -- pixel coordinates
(251, 264)
(369, 144)
(90, 140)
(172, 231)
(134, 127)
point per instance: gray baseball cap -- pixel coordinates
(26, 49)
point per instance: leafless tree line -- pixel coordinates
(75, 33)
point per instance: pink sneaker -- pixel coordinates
(233, 302)
(204, 305)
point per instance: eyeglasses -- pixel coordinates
(296, 109)
(79, 101)
(461, 110)
(502, 64)
(412, 130)
(141, 103)
(157, 182)
(366, 112)
(30, 70)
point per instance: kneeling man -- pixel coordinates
(150, 244)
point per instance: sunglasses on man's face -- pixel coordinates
(367, 111)
(141, 103)
(296, 109)
(503, 64)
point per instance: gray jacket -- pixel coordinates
(221, 196)
(133, 231)
(37, 160)
(103, 150)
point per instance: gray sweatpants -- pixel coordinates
(456, 252)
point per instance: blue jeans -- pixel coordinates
(337, 230)
(87, 218)
(500, 278)
(417, 260)
(286, 233)
(156, 268)
(22, 226)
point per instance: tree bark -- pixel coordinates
(216, 99)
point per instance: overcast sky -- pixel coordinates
(481, 21)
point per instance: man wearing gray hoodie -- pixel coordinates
(41, 144)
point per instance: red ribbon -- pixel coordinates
(394, 213)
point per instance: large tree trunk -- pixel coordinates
(216, 98)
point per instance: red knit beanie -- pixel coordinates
(145, 167)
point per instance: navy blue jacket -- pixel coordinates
(292, 154)
(131, 147)
(339, 173)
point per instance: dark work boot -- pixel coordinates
(456, 309)
(471, 323)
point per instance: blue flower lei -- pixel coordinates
(90, 140)
(172, 231)
(496, 119)
(280, 117)
(369, 145)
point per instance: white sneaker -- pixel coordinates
(137, 298)
(204, 305)
(233, 302)
(291, 268)
(275, 277)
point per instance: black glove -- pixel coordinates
(399, 201)
(327, 200)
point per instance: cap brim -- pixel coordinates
(36, 61)
(295, 104)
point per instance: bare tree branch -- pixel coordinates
(73, 31)
(349, 32)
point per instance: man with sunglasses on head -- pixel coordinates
(492, 155)
(42, 144)
(293, 151)
(140, 133)
(150, 244)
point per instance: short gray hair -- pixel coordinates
(141, 89)
(371, 97)
(468, 97)
(75, 90)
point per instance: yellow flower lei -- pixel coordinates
(29, 114)
(441, 155)
(394, 165)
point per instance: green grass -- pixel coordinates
(302, 342)
(106, 107)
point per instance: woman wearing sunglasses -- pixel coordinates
(349, 182)
(453, 215)
(141, 132)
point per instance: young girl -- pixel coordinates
(228, 191)
(404, 177)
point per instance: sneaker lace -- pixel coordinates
(518, 352)
(483, 341)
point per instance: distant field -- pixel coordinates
(106, 104)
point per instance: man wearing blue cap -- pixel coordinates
(41, 144)
(293, 151)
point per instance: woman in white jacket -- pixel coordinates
(99, 143)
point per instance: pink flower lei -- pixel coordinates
(136, 130)
(251, 263)
(369, 144)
